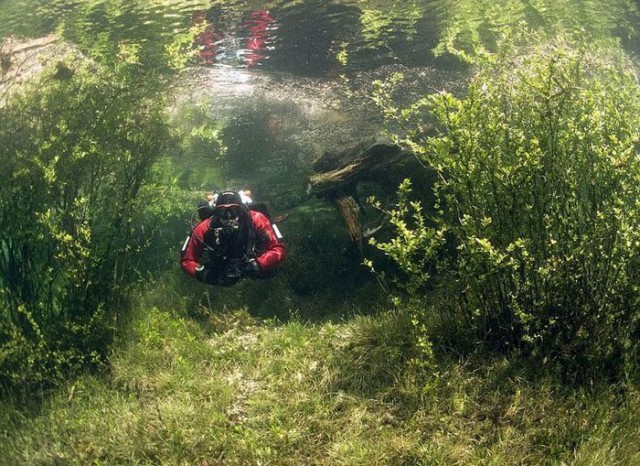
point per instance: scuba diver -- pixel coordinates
(233, 240)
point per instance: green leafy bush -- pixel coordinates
(76, 151)
(534, 240)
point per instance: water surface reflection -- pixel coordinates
(313, 37)
(246, 43)
(316, 37)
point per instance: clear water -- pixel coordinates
(271, 77)
(272, 73)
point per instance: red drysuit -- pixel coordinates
(268, 249)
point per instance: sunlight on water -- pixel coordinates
(245, 44)
(313, 37)
(232, 81)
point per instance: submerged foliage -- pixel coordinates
(76, 151)
(534, 240)
(240, 391)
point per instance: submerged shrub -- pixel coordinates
(76, 154)
(534, 239)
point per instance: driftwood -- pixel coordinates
(349, 209)
(337, 174)
(342, 170)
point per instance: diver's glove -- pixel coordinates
(251, 268)
(203, 274)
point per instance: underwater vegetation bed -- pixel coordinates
(236, 390)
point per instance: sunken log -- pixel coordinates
(338, 172)
(349, 209)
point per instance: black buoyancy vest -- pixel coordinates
(238, 245)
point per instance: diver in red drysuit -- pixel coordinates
(234, 242)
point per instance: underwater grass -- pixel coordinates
(229, 389)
